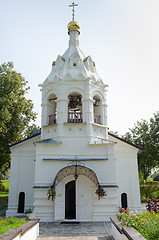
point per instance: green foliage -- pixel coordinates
(51, 193)
(100, 192)
(149, 190)
(6, 185)
(10, 223)
(16, 111)
(155, 174)
(147, 223)
(4, 188)
(29, 131)
(30, 210)
(146, 135)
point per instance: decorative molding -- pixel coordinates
(73, 159)
(41, 187)
(109, 186)
(80, 170)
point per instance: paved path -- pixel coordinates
(75, 231)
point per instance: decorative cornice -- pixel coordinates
(109, 186)
(73, 159)
(41, 187)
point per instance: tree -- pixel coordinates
(145, 134)
(16, 111)
(31, 130)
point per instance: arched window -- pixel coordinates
(52, 109)
(21, 202)
(75, 108)
(97, 110)
(124, 202)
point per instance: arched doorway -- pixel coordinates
(74, 198)
(70, 200)
(21, 202)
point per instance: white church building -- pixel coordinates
(73, 153)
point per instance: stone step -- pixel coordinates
(77, 238)
(76, 231)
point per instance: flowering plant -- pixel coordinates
(123, 210)
(152, 206)
(145, 223)
(51, 193)
(100, 192)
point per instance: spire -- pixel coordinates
(73, 25)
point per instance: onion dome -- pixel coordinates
(73, 25)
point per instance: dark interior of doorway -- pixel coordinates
(70, 200)
(21, 202)
(124, 201)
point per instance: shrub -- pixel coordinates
(149, 190)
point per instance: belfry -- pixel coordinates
(74, 158)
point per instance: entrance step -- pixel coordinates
(70, 222)
(75, 238)
(75, 231)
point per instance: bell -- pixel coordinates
(79, 101)
(96, 102)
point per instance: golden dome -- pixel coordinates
(73, 25)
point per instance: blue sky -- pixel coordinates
(122, 37)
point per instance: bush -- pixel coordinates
(149, 190)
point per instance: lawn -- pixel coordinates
(145, 223)
(10, 223)
(6, 185)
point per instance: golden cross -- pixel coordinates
(73, 10)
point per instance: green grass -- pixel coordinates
(3, 194)
(10, 223)
(6, 185)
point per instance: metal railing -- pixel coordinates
(97, 119)
(52, 119)
(75, 117)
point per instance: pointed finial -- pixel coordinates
(73, 5)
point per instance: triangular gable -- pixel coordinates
(67, 76)
(59, 59)
(74, 56)
(25, 140)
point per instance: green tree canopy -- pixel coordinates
(16, 111)
(145, 134)
(31, 130)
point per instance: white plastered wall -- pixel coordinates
(23, 158)
(46, 170)
(127, 173)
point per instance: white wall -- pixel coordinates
(22, 174)
(127, 173)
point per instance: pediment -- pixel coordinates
(92, 78)
(100, 81)
(88, 59)
(57, 77)
(74, 56)
(81, 76)
(67, 76)
(60, 59)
